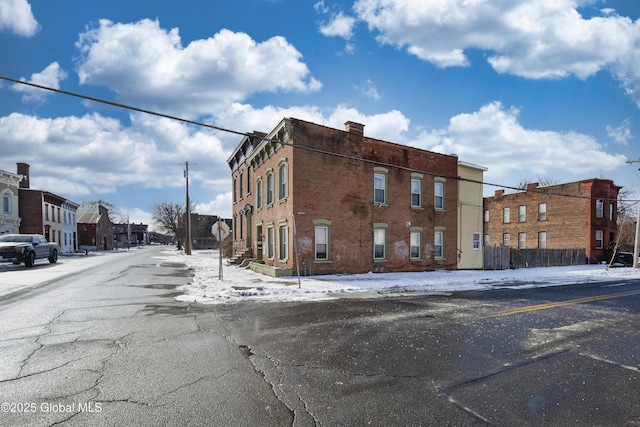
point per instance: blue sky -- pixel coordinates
(525, 88)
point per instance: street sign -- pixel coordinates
(220, 230)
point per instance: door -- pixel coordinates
(259, 242)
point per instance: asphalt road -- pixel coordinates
(111, 346)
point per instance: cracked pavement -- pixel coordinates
(111, 346)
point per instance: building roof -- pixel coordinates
(90, 215)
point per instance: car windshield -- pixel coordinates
(15, 238)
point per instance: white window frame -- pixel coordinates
(321, 238)
(522, 213)
(416, 190)
(379, 242)
(283, 242)
(6, 204)
(600, 208)
(415, 243)
(438, 194)
(259, 193)
(599, 239)
(283, 185)
(438, 244)
(542, 240)
(522, 240)
(506, 215)
(476, 241)
(270, 187)
(380, 186)
(542, 212)
(271, 249)
(486, 215)
(506, 239)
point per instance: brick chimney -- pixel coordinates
(499, 194)
(23, 169)
(355, 128)
(532, 186)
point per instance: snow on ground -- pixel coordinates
(243, 284)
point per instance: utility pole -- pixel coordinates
(635, 244)
(187, 240)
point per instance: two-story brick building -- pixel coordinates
(580, 214)
(355, 204)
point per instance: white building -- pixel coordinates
(9, 212)
(69, 239)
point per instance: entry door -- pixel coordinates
(259, 242)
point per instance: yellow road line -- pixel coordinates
(558, 304)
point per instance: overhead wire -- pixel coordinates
(274, 141)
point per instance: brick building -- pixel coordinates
(359, 204)
(95, 229)
(41, 211)
(580, 214)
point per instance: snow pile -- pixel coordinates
(244, 284)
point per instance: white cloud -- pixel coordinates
(494, 138)
(16, 16)
(621, 133)
(529, 38)
(50, 77)
(77, 156)
(220, 206)
(339, 25)
(369, 90)
(148, 65)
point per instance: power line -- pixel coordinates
(251, 135)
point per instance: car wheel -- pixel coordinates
(30, 259)
(54, 257)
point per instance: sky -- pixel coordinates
(528, 89)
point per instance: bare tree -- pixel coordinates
(169, 217)
(542, 180)
(627, 209)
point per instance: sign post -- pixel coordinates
(220, 230)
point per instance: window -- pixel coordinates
(322, 242)
(46, 212)
(542, 212)
(522, 213)
(283, 189)
(415, 238)
(438, 189)
(506, 239)
(486, 215)
(542, 240)
(379, 243)
(486, 240)
(259, 193)
(438, 244)
(240, 180)
(611, 210)
(6, 204)
(249, 181)
(506, 215)
(599, 239)
(379, 188)
(416, 190)
(476, 241)
(599, 208)
(235, 184)
(269, 188)
(522, 240)
(283, 235)
(270, 243)
(59, 218)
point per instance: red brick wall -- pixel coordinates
(340, 190)
(570, 220)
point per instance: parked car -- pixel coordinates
(624, 259)
(27, 248)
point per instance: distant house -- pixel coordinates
(201, 237)
(135, 234)
(43, 212)
(95, 230)
(581, 215)
(9, 215)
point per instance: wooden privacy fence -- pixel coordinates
(503, 257)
